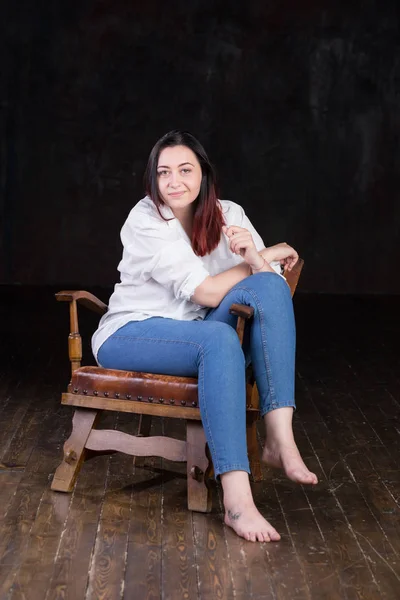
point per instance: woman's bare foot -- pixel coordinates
(287, 457)
(280, 449)
(247, 522)
(240, 511)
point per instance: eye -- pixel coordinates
(186, 171)
(162, 173)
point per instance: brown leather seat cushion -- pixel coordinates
(128, 385)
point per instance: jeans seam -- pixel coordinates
(252, 293)
(231, 467)
(139, 337)
(204, 406)
(290, 403)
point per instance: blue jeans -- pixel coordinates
(210, 350)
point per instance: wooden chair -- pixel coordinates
(94, 389)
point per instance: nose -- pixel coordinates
(174, 179)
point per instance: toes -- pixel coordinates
(256, 529)
(274, 536)
(265, 537)
(312, 478)
(302, 477)
(270, 536)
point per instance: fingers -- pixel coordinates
(240, 241)
(239, 238)
(289, 261)
(292, 260)
(233, 229)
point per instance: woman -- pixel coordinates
(188, 256)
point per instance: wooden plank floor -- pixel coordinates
(126, 533)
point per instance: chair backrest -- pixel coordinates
(292, 277)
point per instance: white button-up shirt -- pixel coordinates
(160, 271)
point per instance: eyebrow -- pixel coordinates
(181, 165)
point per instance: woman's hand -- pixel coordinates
(241, 243)
(286, 255)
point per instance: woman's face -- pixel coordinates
(179, 177)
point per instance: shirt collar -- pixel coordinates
(164, 210)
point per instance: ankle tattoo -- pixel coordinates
(233, 516)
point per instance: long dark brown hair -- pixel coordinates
(208, 219)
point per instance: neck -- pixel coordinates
(185, 217)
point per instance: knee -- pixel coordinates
(222, 340)
(269, 285)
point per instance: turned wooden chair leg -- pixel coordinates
(143, 431)
(74, 450)
(198, 467)
(253, 449)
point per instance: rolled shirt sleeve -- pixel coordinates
(157, 251)
(176, 266)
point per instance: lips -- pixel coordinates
(176, 194)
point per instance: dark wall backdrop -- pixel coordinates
(297, 102)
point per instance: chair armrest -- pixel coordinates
(241, 310)
(74, 338)
(243, 313)
(85, 298)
